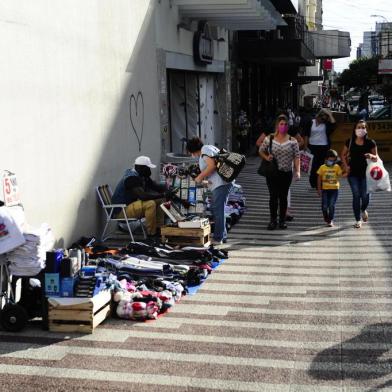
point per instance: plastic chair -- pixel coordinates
(104, 193)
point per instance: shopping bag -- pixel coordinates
(377, 178)
(10, 234)
(306, 160)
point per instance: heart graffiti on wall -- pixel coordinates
(136, 116)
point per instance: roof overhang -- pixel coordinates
(232, 14)
(284, 6)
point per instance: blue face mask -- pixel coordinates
(329, 162)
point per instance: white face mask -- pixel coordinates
(360, 132)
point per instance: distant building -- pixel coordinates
(369, 46)
(384, 39)
(359, 51)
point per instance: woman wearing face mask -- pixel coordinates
(355, 152)
(285, 150)
(317, 139)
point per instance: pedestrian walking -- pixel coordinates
(354, 154)
(328, 185)
(284, 149)
(317, 139)
(293, 132)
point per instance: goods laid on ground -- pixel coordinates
(74, 290)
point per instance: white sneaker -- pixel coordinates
(365, 216)
(358, 224)
(331, 224)
(216, 243)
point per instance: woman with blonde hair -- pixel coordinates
(284, 149)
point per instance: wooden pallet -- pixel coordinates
(181, 236)
(83, 317)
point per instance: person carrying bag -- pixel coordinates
(268, 168)
(284, 150)
(356, 153)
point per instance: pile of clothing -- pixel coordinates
(29, 259)
(136, 301)
(152, 278)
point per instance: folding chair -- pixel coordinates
(104, 193)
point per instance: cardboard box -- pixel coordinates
(67, 286)
(52, 284)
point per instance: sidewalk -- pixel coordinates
(304, 309)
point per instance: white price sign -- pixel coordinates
(10, 190)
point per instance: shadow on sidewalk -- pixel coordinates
(361, 357)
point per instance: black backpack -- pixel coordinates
(229, 164)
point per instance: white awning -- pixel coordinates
(232, 14)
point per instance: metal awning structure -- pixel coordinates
(232, 14)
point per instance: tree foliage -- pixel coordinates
(361, 73)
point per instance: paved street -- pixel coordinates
(306, 309)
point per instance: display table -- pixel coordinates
(78, 314)
(184, 237)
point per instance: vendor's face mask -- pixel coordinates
(143, 171)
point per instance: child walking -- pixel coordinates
(328, 185)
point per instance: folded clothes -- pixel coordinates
(29, 259)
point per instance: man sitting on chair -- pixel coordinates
(141, 195)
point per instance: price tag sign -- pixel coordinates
(10, 190)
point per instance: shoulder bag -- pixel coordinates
(268, 168)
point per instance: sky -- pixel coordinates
(354, 17)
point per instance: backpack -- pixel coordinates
(229, 164)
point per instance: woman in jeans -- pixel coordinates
(220, 188)
(354, 154)
(317, 134)
(285, 150)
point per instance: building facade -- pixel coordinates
(89, 86)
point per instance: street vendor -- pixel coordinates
(141, 194)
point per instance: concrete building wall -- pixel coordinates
(312, 11)
(69, 70)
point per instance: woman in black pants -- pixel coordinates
(317, 139)
(285, 150)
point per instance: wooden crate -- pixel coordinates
(83, 317)
(180, 236)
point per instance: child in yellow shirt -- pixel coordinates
(328, 185)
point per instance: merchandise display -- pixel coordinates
(76, 289)
(199, 197)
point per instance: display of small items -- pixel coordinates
(67, 275)
(183, 178)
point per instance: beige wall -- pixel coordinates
(67, 72)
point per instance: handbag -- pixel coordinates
(268, 168)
